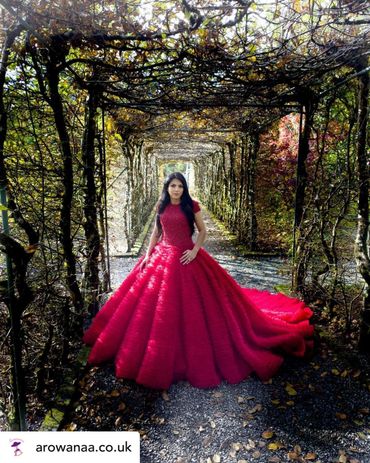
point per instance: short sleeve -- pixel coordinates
(196, 207)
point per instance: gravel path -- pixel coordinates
(313, 410)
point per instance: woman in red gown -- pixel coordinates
(179, 315)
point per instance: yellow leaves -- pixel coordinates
(310, 456)
(275, 446)
(268, 434)
(256, 408)
(290, 389)
(359, 422)
(71, 427)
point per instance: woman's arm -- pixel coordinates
(202, 235)
(190, 254)
(154, 237)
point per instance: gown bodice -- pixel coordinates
(175, 226)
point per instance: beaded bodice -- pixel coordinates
(175, 227)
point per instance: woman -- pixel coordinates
(179, 315)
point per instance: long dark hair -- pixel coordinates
(186, 201)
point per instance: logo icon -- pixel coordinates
(15, 445)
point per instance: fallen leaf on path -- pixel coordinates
(236, 446)
(251, 444)
(293, 456)
(268, 434)
(341, 416)
(216, 458)
(206, 441)
(165, 396)
(71, 427)
(256, 408)
(310, 456)
(290, 389)
(275, 446)
(359, 422)
(122, 406)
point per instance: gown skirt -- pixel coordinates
(172, 321)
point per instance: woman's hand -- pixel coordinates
(144, 262)
(188, 256)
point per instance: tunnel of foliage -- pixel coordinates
(268, 100)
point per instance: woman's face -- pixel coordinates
(175, 189)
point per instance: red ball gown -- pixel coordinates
(173, 321)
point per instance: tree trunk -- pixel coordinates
(252, 217)
(91, 276)
(15, 306)
(303, 151)
(361, 242)
(102, 209)
(65, 216)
